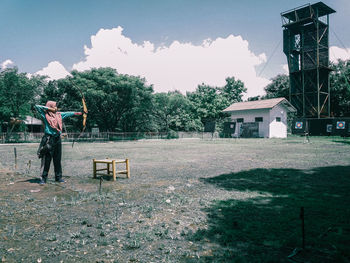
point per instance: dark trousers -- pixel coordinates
(55, 154)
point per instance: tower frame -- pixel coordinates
(306, 45)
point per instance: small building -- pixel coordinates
(261, 118)
(29, 124)
(33, 124)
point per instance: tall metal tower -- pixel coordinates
(306, 45)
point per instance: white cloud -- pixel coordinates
(180, 66)
(6, 63)
(336, 53)
(54, 70)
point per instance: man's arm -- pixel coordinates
(41, 110)
(54, 110)
(69, 114)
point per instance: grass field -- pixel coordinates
(186, 201)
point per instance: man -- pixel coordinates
(51, 145)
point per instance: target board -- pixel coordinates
(340, 125)
(298, 125)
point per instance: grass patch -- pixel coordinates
(268, 223)
(227, 200)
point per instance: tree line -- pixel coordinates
(116, 102)
(125, 103)
(339, 88)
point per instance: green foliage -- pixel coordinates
(18, 93)
(172, 135)
(278, 88)
(115, 101)
(209, 102)
(255, 98)
(206, 103)
(232, 91)
(119, 102)
(340, 88)
(173, 111)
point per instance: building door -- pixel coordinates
(249, 130)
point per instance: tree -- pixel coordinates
(255, 98)
(115, 101)
(340, 88)
(209, 102)
(278, 88)
(18, 94)
(137, 104)
(172, 110)
(232, 91)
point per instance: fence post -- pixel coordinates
(302, 217)
(15, 150)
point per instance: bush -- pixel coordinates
(172, 135)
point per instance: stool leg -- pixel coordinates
(114, 170)
(94, 167)
(127, 168)
(108, 169)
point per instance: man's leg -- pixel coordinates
(45, 165)
(57, 156)
(42, 144)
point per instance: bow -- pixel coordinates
(85, 112)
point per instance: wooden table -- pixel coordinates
(111, 168)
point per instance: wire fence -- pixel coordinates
(23, 137)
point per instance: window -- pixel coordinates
(278, 119)
(258, 119)
(240, 119)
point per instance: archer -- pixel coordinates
(51, 144)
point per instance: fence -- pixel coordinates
(21, 137)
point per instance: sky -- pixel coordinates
(173, 44)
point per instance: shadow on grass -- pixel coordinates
(37, 180)
(32, 181)
(261, 222)
(345, 141)
(108, 178)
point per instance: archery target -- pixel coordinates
(340, 125)
(298, 125)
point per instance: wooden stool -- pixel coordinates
(114, 171)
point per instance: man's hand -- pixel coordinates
(54, 110)
(78, 113)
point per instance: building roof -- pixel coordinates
(260, 104)
(307, 11)
(32, 121)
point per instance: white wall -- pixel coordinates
(269, 128)
(249, 116)
(278, 129)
